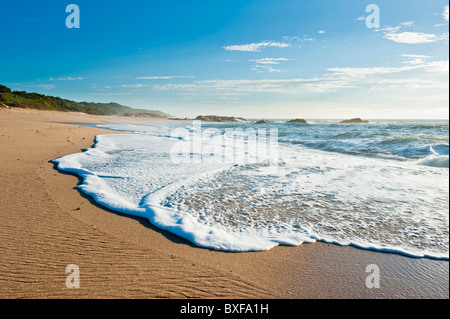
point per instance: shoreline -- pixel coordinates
(48, 224)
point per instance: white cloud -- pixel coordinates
(415, 59)
(407, 24)
(417, 56)
(43, 86)
(426, 75)
(162, 77)
(153, 78)
(256, 47)
(290, 39)
(429, 67)
(394, 33)
(445, 14)
(297, 41)
(269, 60)
(134, 86)
(110, 94)
(266, 64)
(22, 86)
(439, 67)
(412, 37)
(398, 27)
(321, 31)
(67, 79)
(264, 68)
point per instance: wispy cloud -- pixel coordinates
(415, 59)
(445, 13)
(68, 78)
(267, 64)
(396, 34)
(425, 75)
(397, 27)
(256, 47)
(34, 86)
(115, 94)
(264, 68)
(428, 67)
(134, 86)
(304, 38)
(227, 61)
(42, 86)
(165, 77)
(269, 60)
(412, 37)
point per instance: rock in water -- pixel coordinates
(215, 118)
(355, 120)
(300, 121)
(263, 122)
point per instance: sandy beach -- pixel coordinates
(47, 224)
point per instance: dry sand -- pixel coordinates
(47, 224)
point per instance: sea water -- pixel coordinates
(381, 186)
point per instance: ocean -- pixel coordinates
(244, 186)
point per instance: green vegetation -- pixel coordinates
(23, 99)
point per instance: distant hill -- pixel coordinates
(23, 99)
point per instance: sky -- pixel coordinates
(249, 58)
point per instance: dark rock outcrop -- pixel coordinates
(152, 115)
(355, 120)
(215, 118)
(264, 122)
(298, 121)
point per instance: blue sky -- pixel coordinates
(259, 58)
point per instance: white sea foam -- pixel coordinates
(435, 161)
(371, 203)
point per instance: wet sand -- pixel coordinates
(47, 224)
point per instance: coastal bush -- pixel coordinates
(4, 89)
